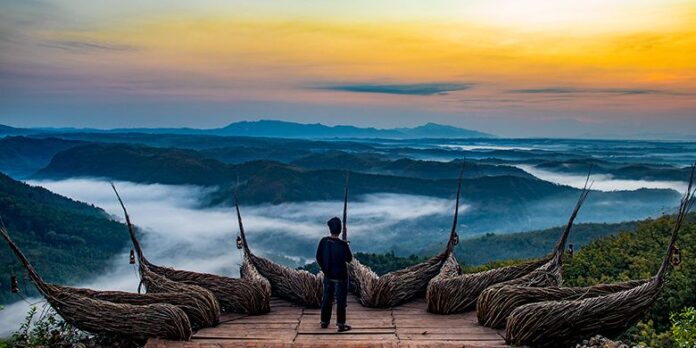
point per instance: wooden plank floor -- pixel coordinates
(287, 325)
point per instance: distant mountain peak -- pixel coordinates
(7, 130)
(277, 128)
(436, 126)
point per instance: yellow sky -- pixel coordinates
(617, 50)
(536, 55)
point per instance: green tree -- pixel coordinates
(684, 328)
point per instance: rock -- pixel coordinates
(599, 341)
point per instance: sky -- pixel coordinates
(595, 68)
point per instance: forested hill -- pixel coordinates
(499, 197)
(276, 182)
(67, 241)
(527, 245)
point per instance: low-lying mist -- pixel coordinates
(170, 219)
(602, 182)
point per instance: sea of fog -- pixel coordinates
(177, 231)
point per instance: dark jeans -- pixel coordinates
(339, 288)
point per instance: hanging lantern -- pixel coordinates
(240, 244)
(676, 260)
(132, 257)
(455, 240)
(570, 250)
(14, 284)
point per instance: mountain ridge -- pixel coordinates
(282, 129)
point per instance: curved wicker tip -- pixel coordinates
(245, 245)
(685, 205)
(131, 229)
(453, 233)
(299, 287)
(560, 245)
(345, 208)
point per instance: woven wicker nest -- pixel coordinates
(136, 316)
(400, 286)
(248, 294)
(157, 283)
(490, 303)
(453, 292)
(297, 286)
(559, 319)
(513, 296)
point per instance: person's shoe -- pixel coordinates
(344, 328)
(324, 325)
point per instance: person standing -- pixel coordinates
(333, 255)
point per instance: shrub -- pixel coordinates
(44, 330)
(684, 328)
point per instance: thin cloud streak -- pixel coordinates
(422, 89)
(87, 46)
(573, 90)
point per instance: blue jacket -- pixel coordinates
(333, 254)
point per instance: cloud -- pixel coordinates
(13, 315)
(433, 88)
(573, 90)
(86, 46)
(602, 182)
(486, 147)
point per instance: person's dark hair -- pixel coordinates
(334, 225)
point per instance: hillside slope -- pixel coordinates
(67, 241)
(533, 244)
(22, 156)
(637, 254)
(496, 203)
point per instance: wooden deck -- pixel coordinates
(288, 325)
